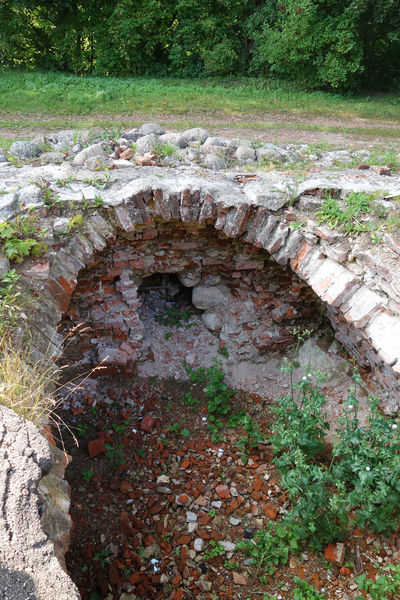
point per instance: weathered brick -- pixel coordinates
(277, 239)
(332, 282)
(237, 220)
(262, 237)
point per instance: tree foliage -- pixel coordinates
(340, 44)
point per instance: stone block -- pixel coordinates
(384, 333)
(93, 151)
(237, 220)
(39, 271)
(112, 356)
(257, 222)
(307, 260)
(277, 239)
(362, 306)
(332, 282)
(261, 194)
(263, 236)
(288, 250)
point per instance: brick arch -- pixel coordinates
(369, 332)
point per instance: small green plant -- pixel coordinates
(141, 452)
(214, 551)
(217, 391)
(115, 454)
(223, 351)
(178, 429)
(75, 222)
(188, 400)
(9, 299)
(251, 439)
(120, 427)
(386, 587)
(102, 182)
(231, 566)
(269, 547)
(65, 182)
(102, 557)
(16, 239)
(81, 429)
(50, 197)
(86, 475)
(95, 411)
(212, 512)
(166, 537)
(168, 336)
(163, 150)
(305, 591)
(214, 426)
(173, 317)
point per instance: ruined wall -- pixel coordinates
(362, 305)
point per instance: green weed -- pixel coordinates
(214, 551)
(86, 475)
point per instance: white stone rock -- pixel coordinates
(60, 225)
(189, 279)
(235, 143)
(245, 153)
(175, 139)
(199, 545)
(216, 163)
(197, 134)
(215, 141)
(151, 128)
(269, 154)
(211, 320)
(191, 517)
(204, 297)
(94, 151)
(228, 546)
(146, 144)
(162, 479)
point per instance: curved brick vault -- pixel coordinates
(118, 242)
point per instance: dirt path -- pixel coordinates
(293, 127)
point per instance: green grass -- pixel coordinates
(27, 93)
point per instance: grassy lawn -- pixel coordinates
(52, 100)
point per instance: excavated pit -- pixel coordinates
(141, 310)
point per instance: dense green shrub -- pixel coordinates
(334, 44)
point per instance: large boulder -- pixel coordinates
(146, 143)
(175, 139)
(215, 163)
(270, 154)
(245, 153)
(197, 134)
(93, 151)
(149, 128)
(204, 297)
(25, 150)
(235, 143)
(215, 141)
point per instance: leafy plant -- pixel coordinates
(223, 351)
(115, 454)
(269, 547)
(177, 429)
(120, 427)
(173, 317)
(9, 298)
(305, 591)
(212, 512)
(231, 566)
(82, 429)
(363, 472)
(102, 557)
(86, 475)
(75, 222)
(251, 439)
(14, 235)
(214, 551)
(188, 400)
(386, 587)
(216, 391)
